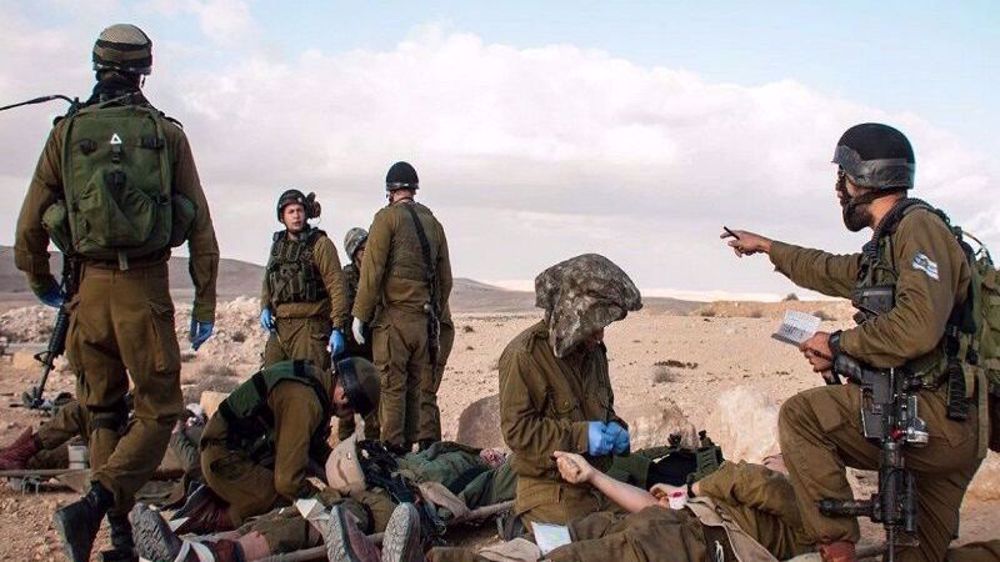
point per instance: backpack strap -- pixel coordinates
(430, 274)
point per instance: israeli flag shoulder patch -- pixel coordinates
(923, 263)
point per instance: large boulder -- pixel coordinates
(744, 423)
(479, 424)
(986, 484)
(651, 424)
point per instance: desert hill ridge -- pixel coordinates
(240, 278)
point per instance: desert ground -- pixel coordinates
(675, 367)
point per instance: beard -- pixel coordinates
(856, 217)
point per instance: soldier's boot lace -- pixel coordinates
(401, 542)
(840, 551)
(78, 522)
(155, 541)
(15, 456)
(345, 541)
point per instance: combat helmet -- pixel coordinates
(343, 468)
(291, 196)
(401, 175)
(360, 381)
(355, 238)
(123, 47)
(876, 156)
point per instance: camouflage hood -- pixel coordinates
(582, 295)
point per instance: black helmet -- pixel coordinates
(360, 381)
(401, 176)
(291, 196)
(123, 47)
(876, 156)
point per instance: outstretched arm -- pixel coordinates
(576, 470)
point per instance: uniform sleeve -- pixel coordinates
(328, 264)
(754, 486)
(443, 271)
(265, 293)
(297, 415)
(830, 274)
(931, 274)
(31, 241)
(531, 435)
(203, 263)
(373, 267)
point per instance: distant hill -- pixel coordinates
(238, 278)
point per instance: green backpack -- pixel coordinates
(117, 181)
(983, 348)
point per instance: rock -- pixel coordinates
(986, 484)
(479, 424)
(25, 361)
(651, 424)
(745, 424)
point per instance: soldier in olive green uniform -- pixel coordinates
(256, 450)
(917, 262)
(47, 448)
(122, 316)
(406, 277)
(354, 245)
(303, 305)
(555, 394)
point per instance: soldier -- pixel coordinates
(302, 300)
(555, 393)
(47, 448)
(406, 278)
(122, 317)
(354, 245)
(915, 259)
(257, 449)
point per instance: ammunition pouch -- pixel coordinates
(872, 301)
(291, 275)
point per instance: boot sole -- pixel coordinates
(338, 548)
(152, 534)
(402, 534)
(60, 522)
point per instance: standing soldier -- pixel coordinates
(555, 392)
(354, 245)
(302, 301)
(115, 188)
(407, 275)
(906, 284)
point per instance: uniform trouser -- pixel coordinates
(299, 338)
(122, 325)
(399, 346)
(247, 486)
(70, 421)
(552, 501)
(287, 531)
(820, 432)
(430, 414)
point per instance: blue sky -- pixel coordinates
(630, 129)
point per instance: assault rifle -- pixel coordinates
(889, 418)
(57, 341)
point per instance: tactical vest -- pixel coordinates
(117, 185)
(874, 292)
(250, 421)
(291, 274)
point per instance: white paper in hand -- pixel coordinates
(797, 327)
(550, 537)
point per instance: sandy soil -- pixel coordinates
(721, 370)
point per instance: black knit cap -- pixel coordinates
(401, 176)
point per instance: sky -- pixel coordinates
(542, 130)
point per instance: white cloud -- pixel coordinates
(532, 155)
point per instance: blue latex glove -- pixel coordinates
(336, 343)
(49, 293)
(267, 319)
(598, 443)
(619, 438)
(200, 332)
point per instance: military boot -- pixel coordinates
(401, 542)
(345, 541)
(122, 544)
(157, 543)
(206, 513)
(15, 456)
(79, 521)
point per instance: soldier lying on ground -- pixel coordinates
(258, 448)
(471, 477)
